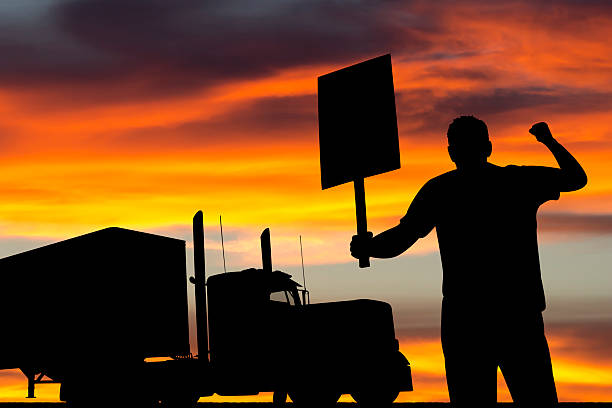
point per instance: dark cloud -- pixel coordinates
(114, 50)
(597, 224)
(138, 48)
(421, 112)
(496, 101)
(259, 119)
(566, 15)
(416, 116)
(273, 116)
(500, 101)
(458, 73)
(439, 56)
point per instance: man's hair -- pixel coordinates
(467, 130)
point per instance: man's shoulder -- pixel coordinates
(442, 179)
(436, 186)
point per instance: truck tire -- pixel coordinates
(126, 388)
(279, 399)
(93, 401)
(77, 396)
(180, 401)
(375, 398)
(316, 398)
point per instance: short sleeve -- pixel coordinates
(420, 216)
(541, 183)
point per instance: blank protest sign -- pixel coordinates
(357, 122)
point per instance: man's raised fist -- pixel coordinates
(542, 133)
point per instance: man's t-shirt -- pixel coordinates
(486, 227)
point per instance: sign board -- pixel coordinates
(357, 122)
(358, 129)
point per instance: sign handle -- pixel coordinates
(362, 222)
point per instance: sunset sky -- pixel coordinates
(138, 113)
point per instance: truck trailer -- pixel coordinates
(111, 307)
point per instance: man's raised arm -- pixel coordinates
(572, 174)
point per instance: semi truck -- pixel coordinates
(105, 315)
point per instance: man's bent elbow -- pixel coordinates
(583, 181)
(576, 182)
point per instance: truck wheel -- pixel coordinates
(375, 398)
(180, 401)
(319, 399)
(279, 399)
(77, 397)
(94, 402)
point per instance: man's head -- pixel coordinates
(468, 142)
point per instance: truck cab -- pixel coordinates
(252, 320)
(266, 336)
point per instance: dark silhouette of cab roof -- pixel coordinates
(255, 280)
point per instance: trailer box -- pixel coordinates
(110, 295)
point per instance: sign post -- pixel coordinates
(358, 135)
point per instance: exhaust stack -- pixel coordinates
(199, 280)
(266, 250)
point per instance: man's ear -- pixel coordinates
(451, 153)
(488, 148)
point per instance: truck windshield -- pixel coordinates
(283, 297)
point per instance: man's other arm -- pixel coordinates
(417, 223)
(571, 174)
(387, 244)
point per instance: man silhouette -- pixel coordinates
(485, 220)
